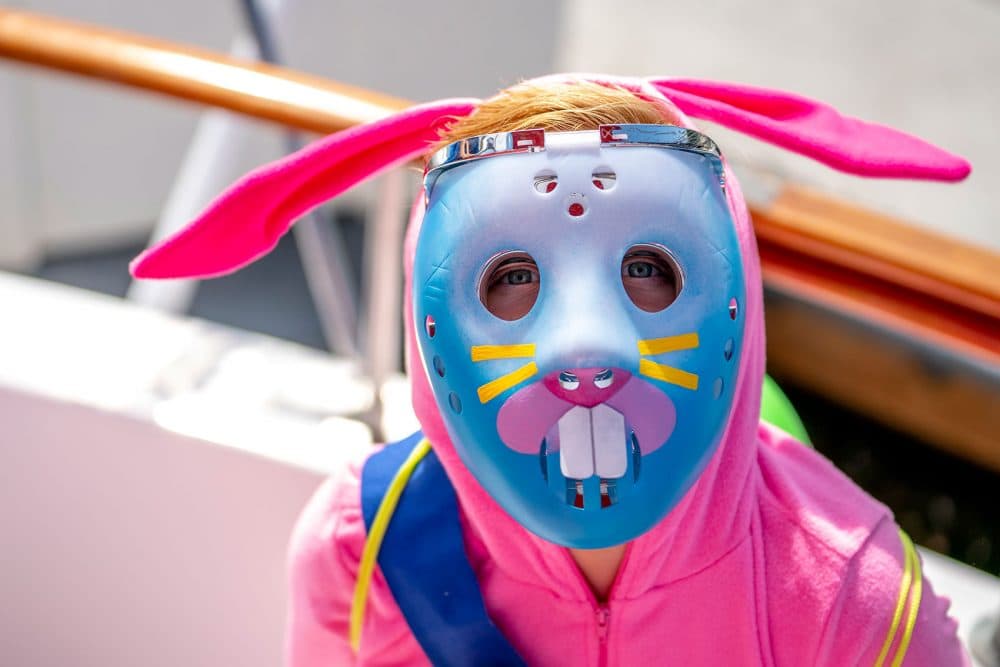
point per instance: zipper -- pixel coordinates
(601, 610)
(603, 619)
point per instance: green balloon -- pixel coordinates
(777, 410)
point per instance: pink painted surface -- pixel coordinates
(126, 544)
(652, 424)
(586, 393)
(526, 417)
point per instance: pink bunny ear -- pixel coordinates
(815, 130)
(247, 220)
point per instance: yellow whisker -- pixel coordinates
(488, 352)
(688, 341)
(668, 374)
(494, 388)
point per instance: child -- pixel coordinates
(592, 484)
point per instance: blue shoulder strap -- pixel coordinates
(423, 560)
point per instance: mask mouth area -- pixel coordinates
(597, 451)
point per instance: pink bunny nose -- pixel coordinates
(586, 386)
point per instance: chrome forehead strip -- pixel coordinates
(669, 137)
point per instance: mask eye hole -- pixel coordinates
(546, 181)
(509, 284)
(651, 277)
(603, 178)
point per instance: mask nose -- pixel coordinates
(586, 386)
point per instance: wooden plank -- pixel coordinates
(895, 322)
(944, 401)
(255, 89)
(911, 280)
(878, 244)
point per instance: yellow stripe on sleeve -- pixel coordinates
(917, 592)
(904, 593)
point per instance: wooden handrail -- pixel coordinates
(254, 89)
(914, 281)
(834, 266)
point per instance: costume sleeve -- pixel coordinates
(322, 571)
(887, 612)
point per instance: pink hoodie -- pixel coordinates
(772, 558)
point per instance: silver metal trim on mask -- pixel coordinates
(532, 141)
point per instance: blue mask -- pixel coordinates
(578, 306)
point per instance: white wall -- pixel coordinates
(19, 243)
(125, 544)
(98, 158)
(97, 161)
(928, 67)
(90, 164)
(151, 469)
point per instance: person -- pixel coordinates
(592, 484)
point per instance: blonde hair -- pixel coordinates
(557, 107)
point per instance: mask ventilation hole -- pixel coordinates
(636, 457)
(574, 493)
(608, 489)
(438, 365)
(576, 205)
(604, 179)
(727, 351)
(734, 308)
(429, 326)
(717, 387)
(543, 459)
(546, 181)
(455, 402)
(609, 493)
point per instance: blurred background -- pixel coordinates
(157, 442)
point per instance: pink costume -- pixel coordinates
(773, 557)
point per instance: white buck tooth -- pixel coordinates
(576, 445)
(610, 452)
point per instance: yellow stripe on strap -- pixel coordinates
(494, 388)
(917, 588)
(904, 593)
(375, 535)
(688, 341)
(489, 352)
(668, 374)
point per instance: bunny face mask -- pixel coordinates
(576, 297)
